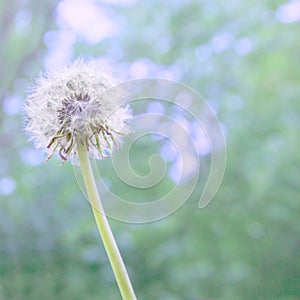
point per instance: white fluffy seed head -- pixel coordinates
(81, 101)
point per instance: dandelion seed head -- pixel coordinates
(82, 101)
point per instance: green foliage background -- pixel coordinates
(245, 244)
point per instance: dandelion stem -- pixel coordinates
(109, 242)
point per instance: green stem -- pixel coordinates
(109, 242)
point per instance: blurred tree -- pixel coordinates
(243, 57)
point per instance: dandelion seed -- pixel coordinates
(72, 103)
(78, 111)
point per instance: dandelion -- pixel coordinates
(80, 101)
(77, 111)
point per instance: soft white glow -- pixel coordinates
(221, 42)
(243, 46)
(23, 22)
(12, 105)
(61, 45)
(139, 68)
(7, 185)
(87, 19)
(289, 12)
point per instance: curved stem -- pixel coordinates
(109, 242)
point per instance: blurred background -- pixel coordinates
(243, 57)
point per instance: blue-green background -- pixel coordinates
(241, 55)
